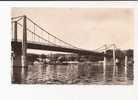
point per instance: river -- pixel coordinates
(79, 73)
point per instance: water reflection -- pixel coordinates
(82, 73)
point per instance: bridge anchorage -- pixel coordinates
(26, 34)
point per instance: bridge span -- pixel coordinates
(40, 46)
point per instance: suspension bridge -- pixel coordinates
(26, 34)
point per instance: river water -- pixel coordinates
(79, 73)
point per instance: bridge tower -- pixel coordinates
(114, 62)
(126, 64)
(20, 58)
(104, 63)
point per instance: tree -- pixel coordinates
(129, 52)
(43, 56)
(119, 53)
(32, 57)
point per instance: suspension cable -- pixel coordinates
(38, 35)
(16, 17)
(50, 33)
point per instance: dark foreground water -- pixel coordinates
(82, 73)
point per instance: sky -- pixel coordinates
(87, 28)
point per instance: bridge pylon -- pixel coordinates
(20, 58)
(104, 63)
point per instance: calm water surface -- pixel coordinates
(81, 73)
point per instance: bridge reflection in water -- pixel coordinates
(82, 73)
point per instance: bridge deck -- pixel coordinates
(39, 46)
